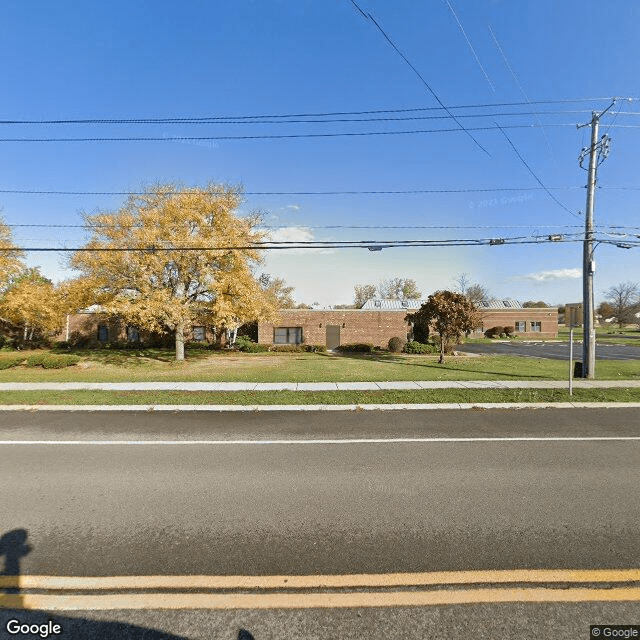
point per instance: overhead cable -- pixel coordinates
(524, 162)
(279, 136)
(205, 119)
(418, 74)
(269, 246)
(298, 193)
(313, 119)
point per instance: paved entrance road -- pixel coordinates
(313, 507)
(552, 350)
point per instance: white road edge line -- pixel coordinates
(326, 441)
(321, 407)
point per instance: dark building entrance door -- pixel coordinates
(333, 336)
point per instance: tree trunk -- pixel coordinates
(180, 341)
(25, 333)
(442, 345)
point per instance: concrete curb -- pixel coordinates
(322, 407)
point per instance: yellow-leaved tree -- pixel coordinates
(173, 257)
(10, 258)
(32, 304)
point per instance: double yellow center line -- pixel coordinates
(58, 593)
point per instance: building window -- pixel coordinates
(103, 333)
(536, 325)
(133, 335)
(198, 334)
(287, 335)
(520, 326)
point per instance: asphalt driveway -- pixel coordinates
(552, 350)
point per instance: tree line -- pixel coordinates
(169, 258)
(173, 257)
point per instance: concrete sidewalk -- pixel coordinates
(316, 386)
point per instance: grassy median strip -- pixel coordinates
(317, 397)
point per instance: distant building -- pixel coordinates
(381, 319)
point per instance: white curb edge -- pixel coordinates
(321, 407)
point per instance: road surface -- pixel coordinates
(315, 494)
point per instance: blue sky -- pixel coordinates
(63, 60)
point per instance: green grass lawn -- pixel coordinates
(317, 397)
(605, 335)
(158, 365)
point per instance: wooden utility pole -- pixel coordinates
(588, 264)
(598, 151)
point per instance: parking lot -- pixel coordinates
(551, 350)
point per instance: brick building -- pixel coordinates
(380, 320)
(94, 328)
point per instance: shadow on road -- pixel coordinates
(18, 620)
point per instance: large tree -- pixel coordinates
(477, 294)
(362, 293)
(449, 314)
(174, 256)
(605, 310)
(278, 288)
(624, 299)
(33, 305)
(474, 292)
(399, 289)
(391, 289)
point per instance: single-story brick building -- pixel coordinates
(379, 320)
(94, 328)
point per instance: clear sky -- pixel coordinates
(117, 59)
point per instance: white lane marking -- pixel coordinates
(326, 441)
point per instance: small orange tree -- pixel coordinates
(449, 314)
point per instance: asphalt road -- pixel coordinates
(552, 350)
(294, 504)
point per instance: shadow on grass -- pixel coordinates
(136, 357)
(400, 360)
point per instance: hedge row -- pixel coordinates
(45, 360)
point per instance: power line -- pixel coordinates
(418, 74)
(278, 136)
(522, 91)
(300, 193)
(524, 162)
(206, 119)
(268, 246)
(338, 226)
(321, 120)
(473, 51)
(624, 126)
